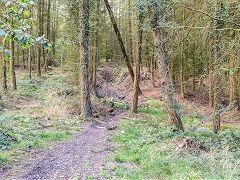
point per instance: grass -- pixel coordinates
(36, 115)
(149, 149)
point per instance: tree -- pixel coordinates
(138, 59)
(166, 79)
(217, 62)
(86, 109)
(30, 52)
(130, 30)
(14, 20)
(96, 43)
(54, 28)
(48, 59)
(120, 41)
(12, 66)
(39, 34)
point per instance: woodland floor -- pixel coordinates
(62, 145)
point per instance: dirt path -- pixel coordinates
(78, 158)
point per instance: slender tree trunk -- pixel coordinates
(182, 78)
(17, 55)
(12, 67)
(232, 96)
(217, 63)
(210, 78)
(48, 59)
(134, 108)
(30, 56)
(23, 59)
(152, 71)
(172, 108)
(86, 109)
(4, 70)
(130, 30)
(95, 62)
(182, 59)
(42, 32)
(54, 28)
(119, 37)
(39, 34)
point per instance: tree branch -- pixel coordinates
(212, 17)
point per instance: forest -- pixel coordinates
(119, 89)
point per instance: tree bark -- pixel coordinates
(30, 56)
(42, 33)
(94, 75)
(172, 108)
(23, 59)
(12, 67)
(217, 63)
(86, 109)
(134, 108)
(182, 59)
(130, 30)
(48, 61)
(39, 34)
(4, 70)
(54, 28)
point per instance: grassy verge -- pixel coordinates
(38, 113)
(149, 149)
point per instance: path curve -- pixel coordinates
(78, 158)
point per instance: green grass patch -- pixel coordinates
(149, 149)
(25, 124)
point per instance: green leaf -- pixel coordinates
(26, 13)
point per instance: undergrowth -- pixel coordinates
(38, 113)
(150, 149)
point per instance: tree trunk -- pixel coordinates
(48, 61)
(39, 34)
(54, 28)
(152, 70)
(4, 70)
(12, 67)
(94, 75)
(217, 63)
(134, 108)
(232, 96)
(23, 59)
(18, 55)
(182, 59)
(172, 108)
(119, 37)
(42, 33)
(86, 109)
(30, 56)
(210, 78)
(130, 30)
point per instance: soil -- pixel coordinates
(80, 157)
